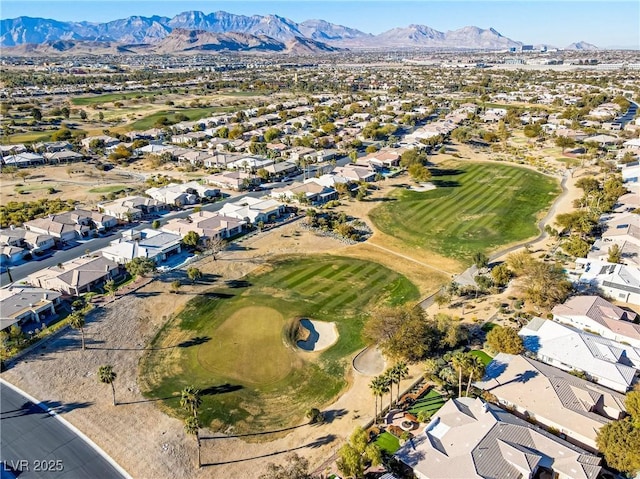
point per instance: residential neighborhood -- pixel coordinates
(316, 256)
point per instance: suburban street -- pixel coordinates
(37, 445)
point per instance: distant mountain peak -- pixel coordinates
(581, 45)
(151, 30)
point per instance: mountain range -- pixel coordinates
(197, 31)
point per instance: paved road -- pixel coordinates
(35, 444)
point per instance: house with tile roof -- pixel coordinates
(207, 224)
(132, 207)
(77, 276)
(468, 438)
(606, 362)
(552, 397)
(597, 315)
(21, 304)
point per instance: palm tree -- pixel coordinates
(76, 321)
(107, 375)
(110, 287)
(190, 400)
(375, 389)
(448, 375)
(475, 369)
(192, 426)
(388, 386)
(459, 361)
(400, 372)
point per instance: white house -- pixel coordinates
(249, 163)
(132, 207)
(253, 210)
(609, 363)
(630, 174)
(206, 224)
(617, 281)
(146, 243)
(173, 194)
(594, 314)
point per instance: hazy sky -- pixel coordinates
(603, 23)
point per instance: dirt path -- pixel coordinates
(410, 259)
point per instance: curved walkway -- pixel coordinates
(541, 224)
(38, 443)
(369, 362)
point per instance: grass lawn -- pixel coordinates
(192, 113)
(109, 189)
(29, 137)
(486, 359)
(431, 402)
(235, 342)
(475, 207)
(388, 443)
(109, 97)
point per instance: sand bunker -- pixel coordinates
(321, 335)
(423, 187)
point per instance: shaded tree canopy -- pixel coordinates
(619, 441)
(505, 340)
(406, 333)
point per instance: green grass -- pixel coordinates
(475, 207)
(192, 113)
(112, 97)
(245, 93)
(388, 443)
(108, 189)
(431, 403)
(486, 327)
(486, 359)
(28, 137)
(234, 342)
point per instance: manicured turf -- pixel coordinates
(486, 359)
(431, 402)
(29, 137)
(234, 342)
(192, 113)
(110, 97)
(475, 207)
(388, 443)
(108, 189)
(249, 361)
